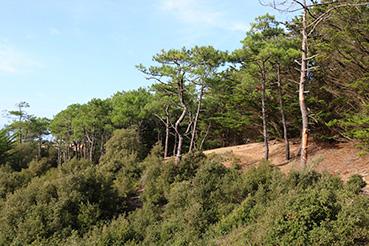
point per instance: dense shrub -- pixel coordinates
(11, 180)
(356, 183)
(123, 201)
(73, 197)
(323, 212)
(22, 155)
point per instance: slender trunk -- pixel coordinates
(66, 157)
(101, 146)
(80, 148)
(68, 153)
(204, 138)
(175, 145)
(303, 76)
(39, 149)
(281, 108)
(180, 119)
(179, 135)
(193, 134)
(263, 110)
(85, 150)
(167, 132)
(92, 146)
(166, 122)
(179, 149)
(166, 137)
(75, 149)
(59, 154)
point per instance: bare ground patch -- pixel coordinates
(342, 159)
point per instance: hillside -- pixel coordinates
(343, 159)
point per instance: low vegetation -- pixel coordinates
(128, 201)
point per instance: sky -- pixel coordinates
(57, 52)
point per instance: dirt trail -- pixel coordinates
(341, 159)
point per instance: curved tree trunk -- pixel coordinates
(179, 135)
(180, 119)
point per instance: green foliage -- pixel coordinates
(354, 126)
(123, 201)
(23, 154)
(129, 108)
(82, 130)
(123, 143)
(312, 215)
(118, 232)
(11, 180)
(72, 197)
(355, 184)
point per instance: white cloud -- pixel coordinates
(202, 12)
(13, 61)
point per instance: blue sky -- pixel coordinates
(57, 52)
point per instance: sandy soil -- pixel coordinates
(343, 159)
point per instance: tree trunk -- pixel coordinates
(59, 154)
(303, 76)
(206, 134)
(179, 120)
(263, 110)
(166, 143)
(75, 149)
(193, 134)
(68, 153)
(175, 144)
(85, 150)
(179, 135)
(283, 117)
(166, 122)
(92, 146)
(39, 149)
(81, 151)
(102, 150)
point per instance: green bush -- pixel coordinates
(355, 183)
(123, 201)
(73, 197)
(22, 155)
(11, 180)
